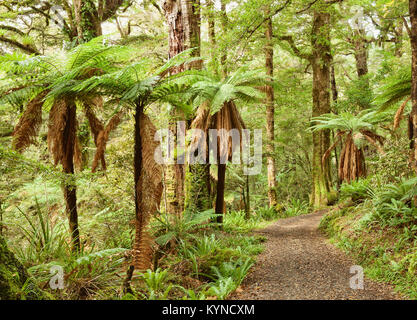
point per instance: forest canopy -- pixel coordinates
(142, 142)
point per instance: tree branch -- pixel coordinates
(19, 45)
(297, 52)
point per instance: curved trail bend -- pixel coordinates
(299, 263)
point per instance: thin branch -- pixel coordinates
(19, 45)
(297, 52)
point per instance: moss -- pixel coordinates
(15, 283)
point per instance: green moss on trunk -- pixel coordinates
(15, 283)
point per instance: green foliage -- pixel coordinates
(169, 227)
(205, 86)
(236, 270)
(357, 190)
(295, 208)
(155, 281)
(45, 241)
(396, 88)
(364, 120)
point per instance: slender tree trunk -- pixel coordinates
(212, 34)
(224, 22)
(137, 172)
(334, 98)
(321, 104)
(270, 115)
(221, 179)
(413, 115)
(70, 190)
(398, 41)
(247, 202)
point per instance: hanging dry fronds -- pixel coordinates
(103, 138)
(149, 193)
(29, 123)
(227, 118)
(352, 161)
(56, 127)
(376, 140)
(96, 126)
(399, 113)
(337, 138)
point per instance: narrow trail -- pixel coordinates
(299, 263)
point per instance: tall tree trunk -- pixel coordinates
(198, 197)
(174, 174)
(183, 17)
(224, 22)
(221, 179)
(212, 34)
(321, 59)
(270, 115)
(334, 98)
(361, 52)
(137, 171)
(398, 40)
(192, 29)
(413, 115)
(70, 190)
(87, 20)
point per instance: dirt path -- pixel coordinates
(300, 263)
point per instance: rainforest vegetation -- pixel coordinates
(322, 95)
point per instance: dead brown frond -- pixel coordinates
(96, 126)
(149, 193)
(78, 159)
(102, 140)
(376, 140)
(352, 161)
(338, 138)
(29, 123)
(399, 113)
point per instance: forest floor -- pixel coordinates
(300, 263)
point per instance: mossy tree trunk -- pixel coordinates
(412, 123)
(270, 115)
(13, 277)
(321, 59)
(183, 18)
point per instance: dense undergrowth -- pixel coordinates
(377, 226)
(195, 258)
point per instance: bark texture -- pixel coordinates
(70, 191)
(270, 114)
(412, 123)
(183, 18)
(321, 59)
(13, 277)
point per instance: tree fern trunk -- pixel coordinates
(70, 190)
